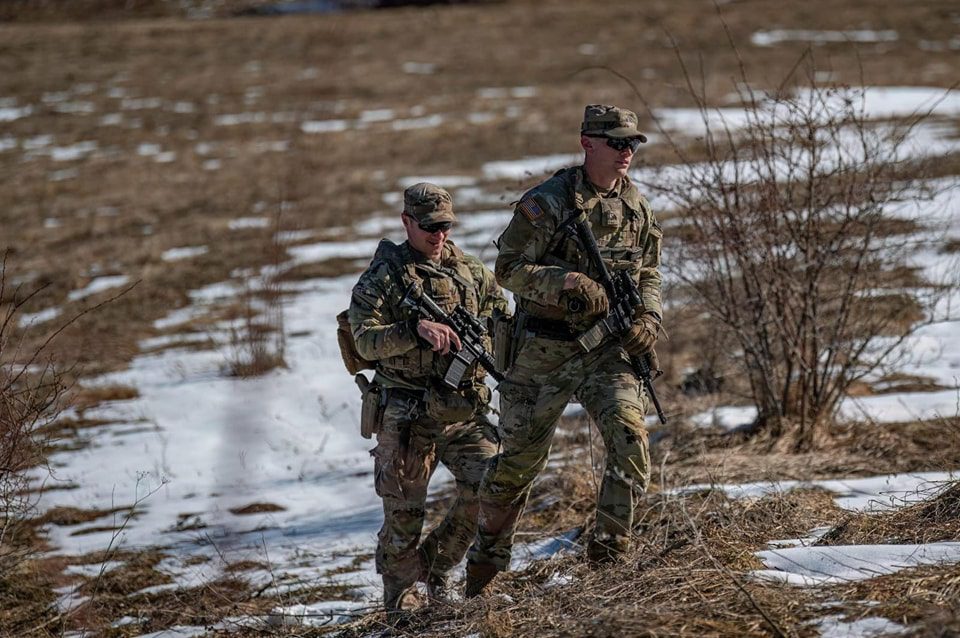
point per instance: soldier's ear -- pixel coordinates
(586, 143)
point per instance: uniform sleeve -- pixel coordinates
(377, 332)
(649, 278)
(522, 245)
(491, 296)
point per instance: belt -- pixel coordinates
(415, 395)
(551, 329)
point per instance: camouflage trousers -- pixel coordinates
(409, 447)
(547, 373)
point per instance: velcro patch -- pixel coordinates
(530, 209)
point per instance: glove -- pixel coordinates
(586, 298)
(642, 335)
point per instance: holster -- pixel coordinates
(505, 342)
(372, 403)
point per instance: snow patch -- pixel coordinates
(769, 38)
(811, 566)
(38, 318)
(837, 627)
(184, 252)
(98, 284)
(528, 166)
(248, 222)
(324, 126)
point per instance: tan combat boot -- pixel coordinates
(479, 575)
(400, 603)
(607, 548)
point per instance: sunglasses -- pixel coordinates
(436, 227)
(621, 143)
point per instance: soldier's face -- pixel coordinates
(606, 159)
(430, 245)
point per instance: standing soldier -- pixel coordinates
(418, 420)
(550, 274)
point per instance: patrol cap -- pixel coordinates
(428, 203)
(610, 121)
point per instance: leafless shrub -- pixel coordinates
(33, 393)
(257, 340)
(31, 389)
(792, 242)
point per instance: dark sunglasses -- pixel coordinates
(436, 227)
(621, 143)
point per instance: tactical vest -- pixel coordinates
(449, 283)
(621, 232)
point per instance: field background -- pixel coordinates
(184, 148)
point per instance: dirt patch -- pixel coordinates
(85, 398)
(75, 516)
(256, 508)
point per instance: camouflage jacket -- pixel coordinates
(535, 258)
(386, 333)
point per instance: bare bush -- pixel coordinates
(794, 237)
(33, 393)
(31, 389)
(258, 338)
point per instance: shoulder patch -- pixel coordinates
(530, 209)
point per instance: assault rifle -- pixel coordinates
(624, 298)
(469, 328)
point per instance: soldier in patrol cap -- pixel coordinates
(422, 422)
(547, 270)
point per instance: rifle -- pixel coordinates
(469, 328)
(624, 298)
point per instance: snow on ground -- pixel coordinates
(248, 222)
(183, 252)
(197, 444)
(98, 284)
(872, 102)
(769, 38)
(836, 627)
(825, 565)
(875, 493)
(37, 318)
(524, 168)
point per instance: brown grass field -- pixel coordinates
(162, 130)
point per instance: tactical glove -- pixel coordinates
(642, 335)
(587, 298)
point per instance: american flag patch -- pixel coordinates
(530, 209)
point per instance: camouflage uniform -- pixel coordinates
(551, 368)
(411, 441)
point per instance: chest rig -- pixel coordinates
(620, 224)
(449, 283)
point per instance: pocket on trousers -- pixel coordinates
(386, 471)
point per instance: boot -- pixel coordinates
(607, 548)
(479, 575)
(400, 604)
(438, 588)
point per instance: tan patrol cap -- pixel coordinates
(428, 203)
(610, 121)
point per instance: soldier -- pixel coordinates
(421, 422)
(549, 273)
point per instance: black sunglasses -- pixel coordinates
(621, 143)
(436, 227)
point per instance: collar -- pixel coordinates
(586, 195)
(449, 257)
